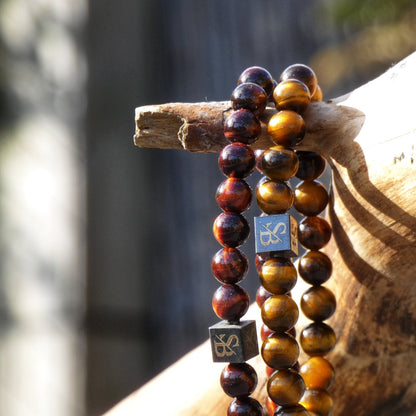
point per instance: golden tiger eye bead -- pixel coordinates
(280, 313)
(274, 197)
(311, 198)
(291, 94)
(233, 195)
(280, 350)
(314, 232)
(238, 379)
(302, 73)
(279, 163)
(286, 128)
(231, 229)
(317, 339)
(229, 265)
(242, 126)
(230, 302)
(315, 267)
(311, 165)
(285, 387)
(318, 303)
(296, 410)
(278, 275)
(317, 96)
(318, 402)
(317, 373)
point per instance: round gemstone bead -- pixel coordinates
(239, 379)
(237, 160)
(279, 163)
(315, 267)
(249, 96)
(261, 296)
(259, 76)
(318, 303)
(230, 302)
(317, 373)
(311, 198)
(229, 265)
(302, 73)
(231, 229)
(280, 313)
(278, 275)
(314, 232)
(233, 195)
(296, 410)
(274, 197)
(242, 126)
(291, 94)
(317, 339)
(285, 387)
(311, 165)
(286, 128)
(317, 402)
(245, 406)
(280, 350)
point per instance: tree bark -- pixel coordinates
(368, 137)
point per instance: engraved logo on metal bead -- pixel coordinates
(271, 236)
(225, 347)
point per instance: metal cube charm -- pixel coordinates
(277, 233)
(233, 343)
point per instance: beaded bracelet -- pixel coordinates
(290, 393)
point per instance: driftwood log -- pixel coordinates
(368, 137)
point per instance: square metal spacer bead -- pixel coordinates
(233, 343)
(277, 233)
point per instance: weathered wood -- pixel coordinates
(369, 138)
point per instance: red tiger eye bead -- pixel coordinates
(238, 379)
(292, 94)
(314, 232)
(311, 165)
(231, 229)
(311, 198)
(317, 339)
(286, 128)
(229, 265)
(237, 160)
(249, 96)
(261, 296)
(302, 73)
(279, 163)
(274, 197)
(315, 267)
(242, 126)
(259, 76)
(230, 302)
(318, 303)
(280, 313)
(245, 406)
(265, 332)
(233, 195)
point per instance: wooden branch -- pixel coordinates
(369, 138)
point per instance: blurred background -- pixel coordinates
(105, 248)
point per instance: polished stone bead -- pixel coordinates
(280, 313)
(233, 343)
(229, 265)
(280, 350)
(296, 410)
(276, 234)
(279, 163)
(318, 402)
(315, 267)
(285, 387)
(242, 126)
(231, 229)
(292, 94)
(314, 232)
(245, 406)
(311, 198)
(311, 165)
(249, 96)
(237, 160)
(233, 195)
(302, 73)
(318, 303)
(274, 197)
(238, 379)
(259, 76)
(317, 339)
(278, 275)
(230, 302)
(286, 128)
(317, 95)
(261, 296)
(317, 373)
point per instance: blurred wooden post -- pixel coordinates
(369, 138)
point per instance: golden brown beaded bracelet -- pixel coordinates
(276, 241)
